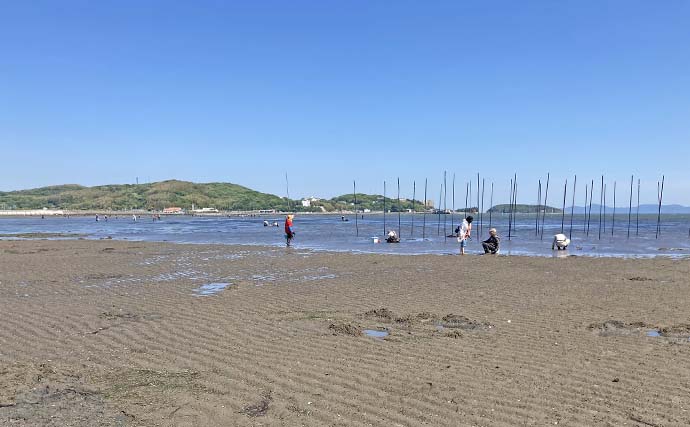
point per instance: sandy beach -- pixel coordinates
(116, 333)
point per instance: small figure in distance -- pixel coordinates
(265, 223)
(465, 233)
(490, 245)
(289, 232)
(275, 223)
(392, 237)
(560, 242)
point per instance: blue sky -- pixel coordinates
(331, 91)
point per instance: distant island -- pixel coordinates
(518, 208)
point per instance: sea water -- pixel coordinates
(420, 234)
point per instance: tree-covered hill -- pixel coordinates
(157, 195)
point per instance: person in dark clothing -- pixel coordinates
(392, 237)
(490, 245)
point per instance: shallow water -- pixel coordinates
(375, 333)
(210, 289)
(328, 232)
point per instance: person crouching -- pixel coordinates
(490, 245)
(560, 242)
(392, 237)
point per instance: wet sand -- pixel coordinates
(122, 333)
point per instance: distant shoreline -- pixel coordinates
(83, 213)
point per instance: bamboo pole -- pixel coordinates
(658, 217)
(479, 225)
(467, 192)
(470, 207)
(584, 209)
(384, 208)
(515, 204)
(510, 210)
(630, 205)
(414, 211)
(565, 192)
(445, 207)
(601, 203)
(424, 214)
(536, 219)
(604, 217)
(452, 225)
(438, 211)
(354, 192)
(481, 210)
(491, 203)
(637, 219)
(399, 207)
(572, 207)
(613, 216)
(546, 197)
(589, 215)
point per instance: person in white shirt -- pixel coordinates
(465, 233)
(560, 242)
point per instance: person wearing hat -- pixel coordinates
(490, 245)
(465, 233)
(289, 232)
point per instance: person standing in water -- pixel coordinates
(465, 233)
(289, 232)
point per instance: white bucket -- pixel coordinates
(375, 239)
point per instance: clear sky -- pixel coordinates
(99, 92)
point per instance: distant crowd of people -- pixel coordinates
(154, 217)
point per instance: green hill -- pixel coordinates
(183, 194)
(157, 195)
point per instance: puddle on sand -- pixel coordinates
(210, 289)
(375, 333)
(653, 333)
